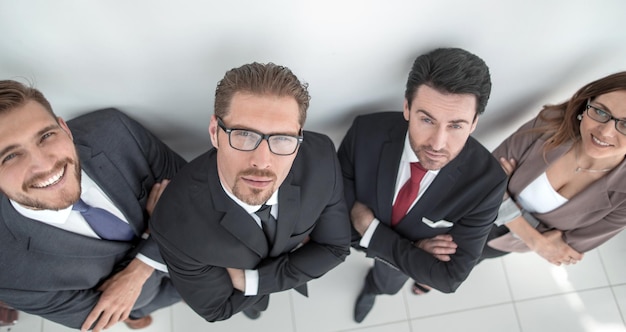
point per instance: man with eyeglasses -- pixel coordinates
(261, 212)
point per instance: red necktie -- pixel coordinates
(408, 193)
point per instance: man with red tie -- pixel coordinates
(423, 193)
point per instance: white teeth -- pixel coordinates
(52, 180)
(599, 142)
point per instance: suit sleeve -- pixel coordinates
(69, 308)
(162, 162)
(328, 246)
(207, 289)
(470, 234)
(516, 145)
(583, 239)
(346, 158)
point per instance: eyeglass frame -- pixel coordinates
(263, 137)
(611, 117)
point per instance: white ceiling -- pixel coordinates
(160, 60)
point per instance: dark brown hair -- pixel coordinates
(14, 94)
(561, 119)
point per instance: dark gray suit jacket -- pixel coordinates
(467, 192)
(211, 232)
(54, 273)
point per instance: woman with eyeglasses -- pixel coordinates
(567, 177)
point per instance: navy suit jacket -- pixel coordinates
(211, 232)
(54, 273)
(467, 193)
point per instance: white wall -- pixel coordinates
(160, 60)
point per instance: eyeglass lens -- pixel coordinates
(603, 116)
(248, 140)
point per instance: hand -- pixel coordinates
(554, 249)
(155, 194)
(440, 246)
(119, 294)
(238, 278)
(508, 165)
(361, 217)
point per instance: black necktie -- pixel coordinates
(268, 223)
(104, 223)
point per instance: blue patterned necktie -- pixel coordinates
(104, 223)
(268, 223)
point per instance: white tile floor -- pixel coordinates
(517, 293)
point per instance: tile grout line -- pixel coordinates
(293, 312)
(608, 279)
(513, 302)
(407, 311)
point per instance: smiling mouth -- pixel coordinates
(599, 142)
(52, 180)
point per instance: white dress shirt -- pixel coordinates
(72, 221)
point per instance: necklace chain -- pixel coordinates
(589, 170)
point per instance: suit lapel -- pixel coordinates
(235, 219)
(390, 156)
(528, 169)
(242, 226)
(108, 177)
(288, 216)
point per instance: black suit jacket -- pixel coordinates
(54, 273)
(211, 232)
(467, 192)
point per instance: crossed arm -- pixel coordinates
(550, 245)
(120, 292)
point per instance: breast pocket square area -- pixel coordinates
(437, 224)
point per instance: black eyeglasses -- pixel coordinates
(249, 140)
(603, 116)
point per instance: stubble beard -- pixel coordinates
(426, 162)
(66, 196)
(253, 196)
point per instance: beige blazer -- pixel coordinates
(588, 219)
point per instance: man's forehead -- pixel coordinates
(448, 107)
(28, 120)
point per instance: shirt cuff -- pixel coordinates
(252, 282)
(369, 232)
(154, 264)
(507, 212)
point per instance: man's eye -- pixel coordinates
(46, 136)
(9, 157)
(242, 133)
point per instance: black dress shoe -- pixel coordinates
(364, 304)
(251, 313)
